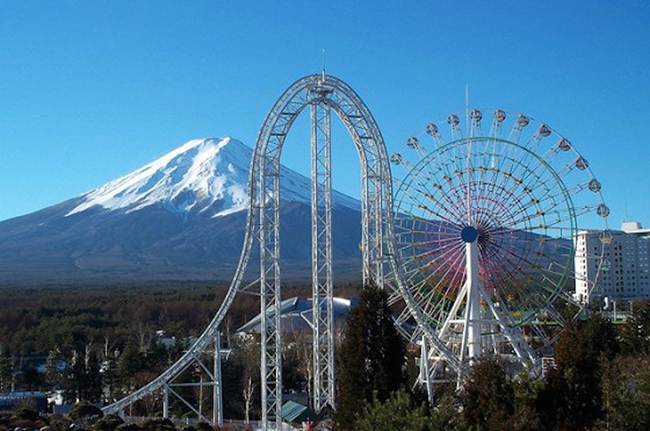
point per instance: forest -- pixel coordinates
(100, 343)
(110, 343)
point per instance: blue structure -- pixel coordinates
(9, 401)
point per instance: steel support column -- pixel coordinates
(217, 394)
(321, 248)
(165, 401)
(270, 291)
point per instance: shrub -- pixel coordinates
(128, 427)
(21, 423)
(59, 422)
(25, 413)
(84, 410)
(158, 425)
(108, 423)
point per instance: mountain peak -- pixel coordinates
(194, 177)
(208, 176)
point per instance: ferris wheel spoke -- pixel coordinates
(455, 258)
(499, 274)
(451, 207)
(459, 276)
(413, 192)
(548, 199)
(508, 256)
(517, 183)
(499, 190)
(445, 292)
(433, 256)
(452, 195)
(426, 235)
(456, 248)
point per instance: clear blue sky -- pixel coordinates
(92, 90)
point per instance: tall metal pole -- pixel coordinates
(217, 394)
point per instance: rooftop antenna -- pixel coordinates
(469, 151)
(323, 73)
(467, 110)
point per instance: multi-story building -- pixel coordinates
(617, 261)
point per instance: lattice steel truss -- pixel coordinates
(321, 248)
(323, 94)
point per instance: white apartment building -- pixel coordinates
(624, 272)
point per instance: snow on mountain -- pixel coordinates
(203, 175)
(179, 218)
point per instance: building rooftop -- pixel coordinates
(296, 314)
(635, 228)
(296, 413)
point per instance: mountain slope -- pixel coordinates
(181, 217)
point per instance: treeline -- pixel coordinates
(39, 320)
(99, 344)
(36, 321)
(600, 381)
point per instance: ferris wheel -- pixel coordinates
(485, 225)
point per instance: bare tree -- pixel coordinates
(249, 355)
(228, 329)
(302, 343)
(144, 338)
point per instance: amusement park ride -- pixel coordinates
(475, 248)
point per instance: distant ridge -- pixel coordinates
(181, 217)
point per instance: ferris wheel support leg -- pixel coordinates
(425, 370)
(473, 323)
(454, 310)
(471, 342)
(521, 348)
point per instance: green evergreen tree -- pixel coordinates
(635, 333)
(129, 364)
(53, 376)
(110, 378)
(527, 417)
(92, 390)
(398, 412)
(571, 399)
(445, 415)
(6, 372)
(626, 398)
(371, 357)
(488, 397)
(74, 378)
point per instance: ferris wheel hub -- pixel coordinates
(469, 234)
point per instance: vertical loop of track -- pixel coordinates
(263, 227)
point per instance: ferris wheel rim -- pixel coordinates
(566, 272)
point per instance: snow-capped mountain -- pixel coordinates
(202, 175)
(179, 217)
